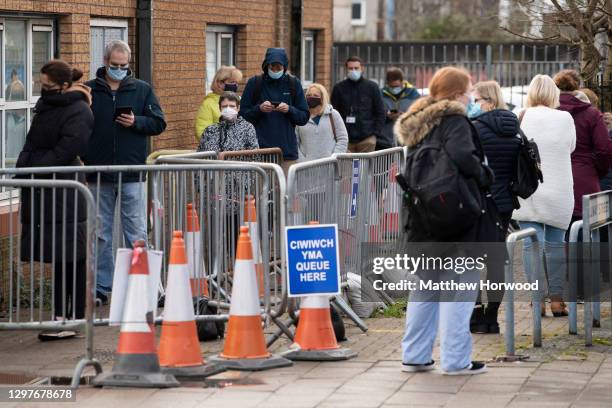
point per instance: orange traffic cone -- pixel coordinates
(195, 260)
(315, 339)
(179, 347)
(136, 363)
(245, 346)
(250, 220)
(391, 204)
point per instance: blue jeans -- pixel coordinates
(133, 212)
(425, 313)
(554, 252)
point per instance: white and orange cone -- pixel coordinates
(195, 260)
(245, 346)
(392, 203)
(136, 362)
(179, 347)
(250, 220)
(315, 339)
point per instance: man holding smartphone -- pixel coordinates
(126, 112)
(274, 103)
(398, 95)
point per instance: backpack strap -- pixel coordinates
(333, 125)
(257, 90)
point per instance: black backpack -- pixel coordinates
(443, 200)
(208, 330)
(259, 85)
(528, 167)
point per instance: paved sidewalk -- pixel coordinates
(561, 374)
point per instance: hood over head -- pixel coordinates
(571, 104)
(275, 55)
(424, 115)
(501, 121)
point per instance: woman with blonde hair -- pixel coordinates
(439, 122)
(549, 209)
(498, 129)
(226, 80)
(325, 133)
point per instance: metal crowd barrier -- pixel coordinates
(49, 317)
(511, 240)
(596, 215)
(369, 206)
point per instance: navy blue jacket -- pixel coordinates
(111, 143)
(498, 130)
(276, 129)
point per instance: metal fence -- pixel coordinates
(512, 65)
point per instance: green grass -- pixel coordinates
(397, 309)
(602, 342)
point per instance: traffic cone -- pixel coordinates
(250, 220)
(245, 346)
(136, 363)
(179, 347)
(391, 204)
(315, 339)
(195, 260)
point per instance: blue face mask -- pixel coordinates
(354, 75)
(473, 109)
(275, 75)
(116, 74)
(396, 90)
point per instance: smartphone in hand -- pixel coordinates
(275, 104)
(120, 110)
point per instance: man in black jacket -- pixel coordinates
(126, 112)
(360, 103)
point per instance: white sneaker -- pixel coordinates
(476, 367)
(417, 368)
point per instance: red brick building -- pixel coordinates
(190, 40)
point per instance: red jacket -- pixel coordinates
(593, 155)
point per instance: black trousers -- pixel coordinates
(496, 265)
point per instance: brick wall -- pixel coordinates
(179, 38)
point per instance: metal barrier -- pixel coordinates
(36, 193)
(509, 294)
(268, 155)
(575, 229)
(369, 205)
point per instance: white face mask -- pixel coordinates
(229, 114)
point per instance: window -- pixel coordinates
(102, 32)
(219, 50)
(358, 12)
(308, 58)
(25, 46)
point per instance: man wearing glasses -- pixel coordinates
(126, 112)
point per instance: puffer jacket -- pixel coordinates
(498, 130)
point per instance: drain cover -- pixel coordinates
(17, 379)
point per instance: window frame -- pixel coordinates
(220, 32)
(308, 36)
(107, 23)
(33, 24)
(362, 20)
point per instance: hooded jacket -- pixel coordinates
(113, 144)
(592, 157)
(445, 120)
(362, 100)
(498, 130)
(401, 103)
(276, 129)
(208, 114)
(58, 135)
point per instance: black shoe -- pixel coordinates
(476, 367)
(101, 298)
(493, 328)
(417, 368)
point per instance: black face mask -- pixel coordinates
(313, 101)
(46, 93)
(230, 88)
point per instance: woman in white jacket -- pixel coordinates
(549, 209)
(325, 133)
